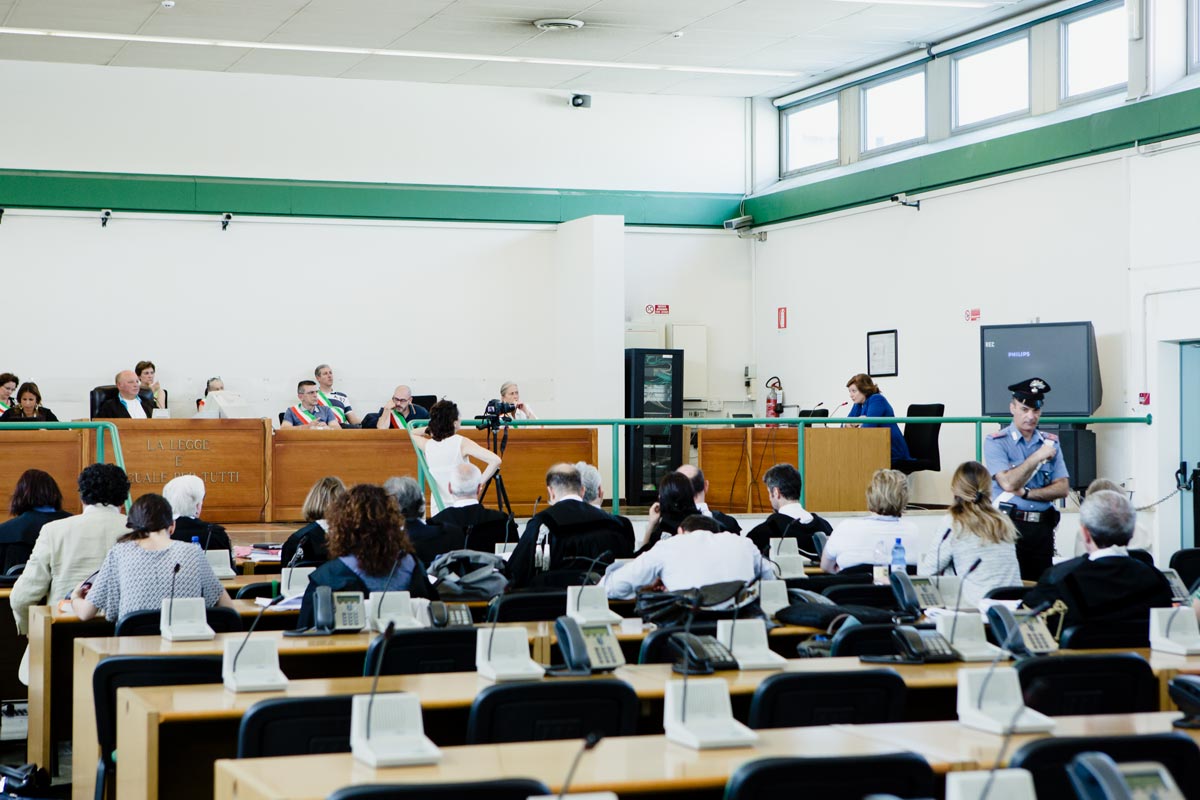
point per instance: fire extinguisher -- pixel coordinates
(774, 398)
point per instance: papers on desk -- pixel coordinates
(290, 604)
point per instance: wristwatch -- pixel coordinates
(1025, 493)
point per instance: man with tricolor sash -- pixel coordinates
(309, 413)
(399, 410)
(337, 402)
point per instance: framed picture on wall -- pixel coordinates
(881, 354)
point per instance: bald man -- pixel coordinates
(399, 405)
(127, 404)
(700, 487)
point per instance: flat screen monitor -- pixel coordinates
(1062, 353)
(425, 401)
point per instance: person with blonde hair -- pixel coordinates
(975, 530)
(310, 540)
(853, 543)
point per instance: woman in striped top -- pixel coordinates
(977, 530)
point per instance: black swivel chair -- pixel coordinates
(657, 649)
(1047, 759)
(503, 789)
(99, 396)
(1187, 563)
(530, 712)
(257, 589)
(425, 650)
(484, 536)
(1084, 684)
(863, 640)
(295, 726)
(145, 623)
(861, 595)
(818, 583)
(1008, 592)
(528, 606)
(113, 673)
(922, 440)
(904, 775)
(1097, 635)
(797, 699)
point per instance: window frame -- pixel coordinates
(865, 89)
(784, 115)
(955, 128)
(1193, 36)
(1064, 23)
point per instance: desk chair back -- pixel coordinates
(145, 623)
(113, 673)
(1008, 592)
(861, 595)
(798, 699)
(258, 589)
(528, 606)
(904, 775)
(424, 650)
(295, 726)
(504, 789)
(820, 582)
(528, 712)
(1047, 759)
(1098, 635)
(656, 647)
(484, 536)
(922, 439)
(863, 640)
(1187, 563)
(99, 396)
(1118, 683)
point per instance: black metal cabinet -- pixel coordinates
(653, 388)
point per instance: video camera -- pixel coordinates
(498, 408)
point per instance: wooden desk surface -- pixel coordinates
(624, 764)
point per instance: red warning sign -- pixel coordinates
(781, 317)
(658, 308)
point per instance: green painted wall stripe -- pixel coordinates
(1150, 120)
(187, 194)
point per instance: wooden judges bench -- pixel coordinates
(252, 474)
(838, 465)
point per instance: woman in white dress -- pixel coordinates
(445, 448)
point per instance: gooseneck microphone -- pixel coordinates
(839, 408)
(958, 599)
(253, 625)
(587, 576)
(589, 741)
(387, 637)
(208, 538)
(938, 557)
(171, 605)
(383, 594)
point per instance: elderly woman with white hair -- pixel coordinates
(511, 393)
(186, 496)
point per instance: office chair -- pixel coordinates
(1187, 563)
(426, 650)
(922, 440)
(113, 673)
(295, 726)
(863, 640)
(500, 789)
(257, 589)
(656, 646)
(1120, 683)
(861, 595)
(530, 711)
(99, 396)
(1008, 593)
(484, 536)
(528, 606)
(798, 699)
(818, 583)
(1142, 556)
(905, 775)
(145, 623)
(1097, 635)
(1047, 759)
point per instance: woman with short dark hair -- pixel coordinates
(28, 407)
(148, 386)
(36, 500)
(8, 386)
(445, 448)
(139, 572)
(869, 402)
(369, 550)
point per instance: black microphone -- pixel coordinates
(1008, 734)
(387, 636)
(814, 408)
(510, 524)
(383, 594)
(839, 408)
(246, 638)
(958, 599)
(1171, 620)
(208, 538)
(1008, 640)
(535, 504)
(171, 605)
(589, 741)
(938, 557)
(587, 576)
(492, 632)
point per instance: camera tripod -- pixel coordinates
(497, 443)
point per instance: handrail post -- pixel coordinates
(800, 430)
(100, 444)
(616, 464)
(979, 441)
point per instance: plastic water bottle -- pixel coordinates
(880, 571)
(196, 541)
(899, 562)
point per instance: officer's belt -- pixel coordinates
(1019, 515)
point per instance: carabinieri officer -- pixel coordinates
(1028, 474)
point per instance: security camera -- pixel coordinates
(227, 217)
(900, 198)
(581, 101)
(738, 223)
(106, 213)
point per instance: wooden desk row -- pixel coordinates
(631, 765)
(255, 475)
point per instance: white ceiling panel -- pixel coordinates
(526, 10)
(159, 56)
(463, 35)
(705, 47)
(422, 70)
(527, 75)
(727, 86)
(277, 62)
(66, 51)
(109, 16)
(630, 81)
(792, 19)
(601, 44)
(665, 15)
(222, 19)
(361, 23)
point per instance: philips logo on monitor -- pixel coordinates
(1021, 354)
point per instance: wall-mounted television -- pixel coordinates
(1062, 353)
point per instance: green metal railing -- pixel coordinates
(788, 422)
(101, 427)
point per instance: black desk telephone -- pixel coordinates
(450, 615)
(702, 654)
(1095, 776)
(916, 646)
(587, 648)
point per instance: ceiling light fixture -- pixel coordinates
(375, 51)
(558, 24)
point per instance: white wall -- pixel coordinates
(1051, 247)
(115, 119)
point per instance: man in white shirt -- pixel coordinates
(127, 404)
(700, 555)
(69, 550)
